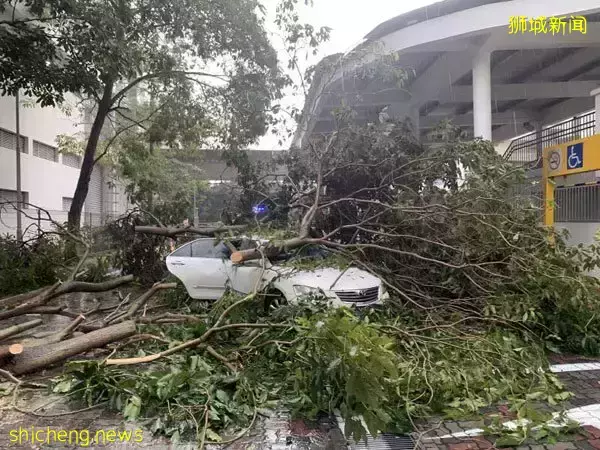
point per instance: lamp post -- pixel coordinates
(18, 148)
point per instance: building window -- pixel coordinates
(71, 160)
(45, 151)
(11, 196)
(8, 140)
(67, 203)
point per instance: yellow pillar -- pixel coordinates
(548, 191)
(548, 201)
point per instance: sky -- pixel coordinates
(350, 21)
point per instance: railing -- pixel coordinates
(527, 149)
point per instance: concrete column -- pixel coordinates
(596, 94)
(482, 96)
(538, 139)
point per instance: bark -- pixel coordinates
(66, 288)
(60, 311)
(8, 351)
(87, 164)
(38, 300)
(36, 358)
(269, 251)
(16, 329)
(83, 286)
(16, 300)
(198, 342)
(55, 337)
(174, 231)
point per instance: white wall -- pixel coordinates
(580, 233)
(41, 124)
(46, 182)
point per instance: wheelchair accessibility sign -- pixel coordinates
(575, 156)
(568, 158)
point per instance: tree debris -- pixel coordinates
(40, 357)
(16, 329)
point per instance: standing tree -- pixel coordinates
(216, 51)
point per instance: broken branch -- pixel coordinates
(172, 232)
(35, 358)
(57, 290)
(16, 329)
(141, 300)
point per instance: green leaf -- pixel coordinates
(132, 409)
(63, 386)
(222, 396)
(336, 362)
(508, 441)
(212, 436)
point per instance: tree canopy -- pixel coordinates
(213, 56)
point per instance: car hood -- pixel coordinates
(350, 279)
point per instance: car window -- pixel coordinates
(185, 250)
(208, 249)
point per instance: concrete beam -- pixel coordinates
(505, 41)
(484, 19)
(566, 65)
(566, 109)
(464, 94)
(460, 44)
(440, 76)
(381, 97)
(466, 120)
(518, 91)
(509, 131)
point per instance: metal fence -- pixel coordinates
(32, 220)
(577, 203)
(527, 149)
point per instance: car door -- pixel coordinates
(202, 268)
(245, 276)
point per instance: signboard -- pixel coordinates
(582, 155)
(554, 160)
(575, 156)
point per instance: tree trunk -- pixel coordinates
(87, 164)
(16, 300)
(56, 291)
(271, 250)
(35, 358)
(173, 232)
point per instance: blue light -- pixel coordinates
(259, 209)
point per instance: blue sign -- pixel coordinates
(575, 156)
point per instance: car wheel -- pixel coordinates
(274, 299)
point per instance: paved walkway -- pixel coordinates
(278, 431)
(581, 376)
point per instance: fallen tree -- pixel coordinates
(173, 232)
(59, 289)
(16, 329)
(471, 275)
(38, 357)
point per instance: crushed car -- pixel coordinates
(206, 271)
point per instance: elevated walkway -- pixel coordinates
(527, 149)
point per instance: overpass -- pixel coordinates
(211, 166)
(522, 74)
(461, 61)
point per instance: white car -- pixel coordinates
(205, 269)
